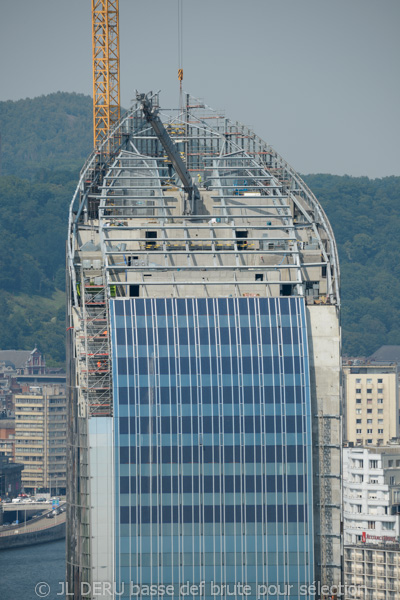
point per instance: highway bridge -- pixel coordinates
(34, 531)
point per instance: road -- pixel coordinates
(38, 524)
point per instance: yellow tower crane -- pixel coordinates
(106, 94)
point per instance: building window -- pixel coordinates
(369, 441)
(369, 410)
(380, 380)
(369, 390)
(358, 380)
(380, 441)
(380, 411)
(358, 430)
(369, 421)
(369, 430)
(357, 508)
(380, 391)
(358, 391)
(380, 400)
(373, 464)
(358, 421)
(359, 441)
(369, 400)
(380, 430)
(358, 411)
(371, 524)
(358, 400)
(388, 526)
(397, 463)
(390, 463)
(380, 421)
(369, 380)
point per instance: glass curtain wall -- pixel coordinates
(212, 446)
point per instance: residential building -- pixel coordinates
(371, 521)
(203, 364)
(372, 572)
(371, 403)
(40, 437)
(10, 477)
(371, 493)
(7, 438)
(24, 362)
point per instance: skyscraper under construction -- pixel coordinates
(204, 364)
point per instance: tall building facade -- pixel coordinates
(371, 403)
(371, 522)
(204, 366)
(40, 437)
(371, 494)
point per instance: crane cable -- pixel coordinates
(180, 51)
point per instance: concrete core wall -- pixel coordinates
(325, 379)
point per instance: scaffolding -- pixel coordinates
(96, 381)
(326, 503)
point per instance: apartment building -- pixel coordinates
(7, 438)
(371, 404)
(371, 522)
(40, 437)
(372, 572)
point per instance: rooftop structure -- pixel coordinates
(28, 362)
(386, 354)
(204, 361)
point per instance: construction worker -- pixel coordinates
(199, 179)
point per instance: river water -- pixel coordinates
(33, 572)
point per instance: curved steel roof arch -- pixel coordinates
(224, 154)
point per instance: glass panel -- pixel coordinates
(212, 426)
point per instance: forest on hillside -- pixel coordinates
(44, 144)
(45, 133)
(365, 218)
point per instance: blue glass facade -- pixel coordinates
(212, 426)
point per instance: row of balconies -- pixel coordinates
(372, 560)
(372, 583)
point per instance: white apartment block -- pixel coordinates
(371, 414)
(371, 521)
(371, 494)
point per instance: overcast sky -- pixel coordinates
(317, 79)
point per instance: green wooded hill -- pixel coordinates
(46, 140)
(48, 132)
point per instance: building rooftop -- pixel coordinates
(386, 354)
(254, 229)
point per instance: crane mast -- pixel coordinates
(106, 94)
